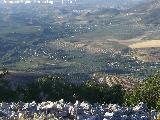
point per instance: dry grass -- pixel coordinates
(146, 44)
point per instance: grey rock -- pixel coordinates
(78, 111)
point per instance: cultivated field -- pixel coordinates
(146, 44)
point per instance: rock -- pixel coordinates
(118, 113)
(77, 103)
(135, 117)
(141, 107)
(25, 106)
(108, 115)
(79, 111)
(3, 114)
(144, 117)
(85, 105)
(71, 110)
(79, 117)
(61, 101)
(59, 106)
(20, 115)
(124, 117)
(46, 105)
(129, 110)
(63, 113)
(153, 114)
(96, 117)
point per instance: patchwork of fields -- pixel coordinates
(70, 41)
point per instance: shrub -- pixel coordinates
(54, 88)
(148, 92)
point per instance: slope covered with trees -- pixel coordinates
(54, 88)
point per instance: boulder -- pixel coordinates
(108, 115)
(85, 106)
(141, 107)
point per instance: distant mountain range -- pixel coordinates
(122, 4)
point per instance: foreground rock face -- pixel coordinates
(79, 111)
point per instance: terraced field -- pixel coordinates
(127, 83)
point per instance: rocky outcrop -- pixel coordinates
(78, 111)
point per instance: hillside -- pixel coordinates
(149, 12)
(147, 6)
(75, 40)
(148, 17)
(120, 4)
(65, 42)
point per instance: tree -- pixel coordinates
(148, 92)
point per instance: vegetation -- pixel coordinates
(70, 41)
(48, 39)
(54, 88)
(148, 92)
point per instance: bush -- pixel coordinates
(6, 92)
(101, 93)
(148, 92)
(48, 88)
(54, 88)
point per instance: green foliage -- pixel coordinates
(148, 92)
(6, 94)
(54, 88)
(158, 104)
(93, 92)
(48, 88)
